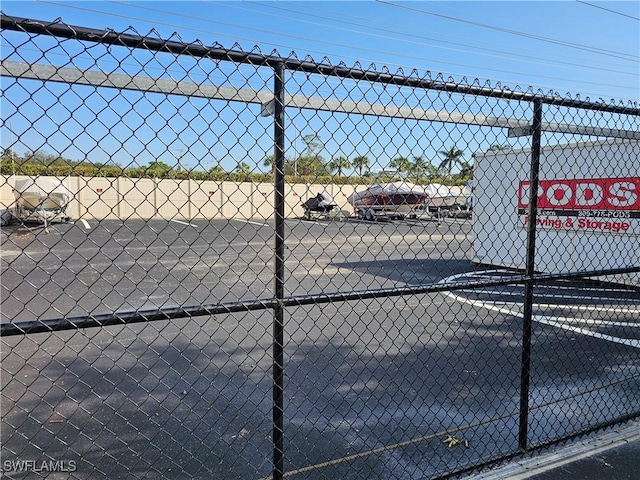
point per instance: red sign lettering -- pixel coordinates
(585, 194)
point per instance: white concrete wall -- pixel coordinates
(128, 198)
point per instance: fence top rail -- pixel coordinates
(265, 98)
(58, 28)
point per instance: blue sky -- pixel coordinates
(591, 48)
(585, 48)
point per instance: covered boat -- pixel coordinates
(41, 198)
(441, 196)
(397, 199)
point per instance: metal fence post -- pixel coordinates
(525, 373)
(278, 312)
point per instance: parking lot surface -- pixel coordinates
(372, 386)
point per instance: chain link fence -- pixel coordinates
(226, 264)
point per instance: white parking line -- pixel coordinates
(551, 320)
(182, 223)
(252, 222)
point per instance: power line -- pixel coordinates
(517, 57)
(599, 51)
(142, 6)
(503, 55)
(324, 53)
(608, 10)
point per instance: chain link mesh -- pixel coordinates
(434, 327)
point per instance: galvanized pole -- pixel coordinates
(278, 311)
(525, 373)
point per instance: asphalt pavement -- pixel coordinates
(373, 387)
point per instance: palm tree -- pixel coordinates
(313, 145)
(360, 162)
(466, 169)
(269, 162)
(307, 165)
(339, 164)
(402, 164)
(452, 157)
(419, 167)
(243, 168)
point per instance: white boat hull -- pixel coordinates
(41, 198)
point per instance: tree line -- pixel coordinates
(418, 169)
(306, 167)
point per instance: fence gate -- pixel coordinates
(170, 309)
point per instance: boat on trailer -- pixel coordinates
(41, 199)
(392, 200)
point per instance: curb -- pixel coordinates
(520, 470)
